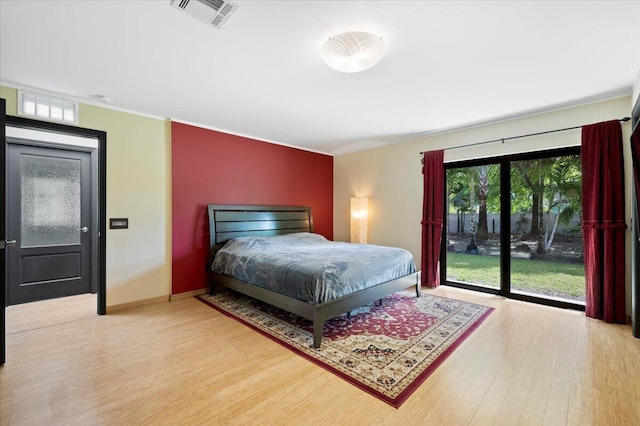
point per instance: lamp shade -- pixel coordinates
(353, 51)
(359, 220)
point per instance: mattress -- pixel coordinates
(310, 268)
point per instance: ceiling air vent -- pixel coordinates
(213, 12)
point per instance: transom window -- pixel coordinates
(47, 107)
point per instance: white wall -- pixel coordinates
(391, 176)
(636, 90)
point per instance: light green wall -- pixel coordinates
(391, 176)
(138, 187)
(11, 95)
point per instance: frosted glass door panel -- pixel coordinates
(50, 200)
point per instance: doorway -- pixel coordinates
(513, 227)
(69, 273)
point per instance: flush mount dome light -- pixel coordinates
(353, 51)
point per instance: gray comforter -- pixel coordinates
(309, 267)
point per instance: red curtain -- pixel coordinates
(603, 224)
(432, 212)
(635, 286)
(635, 153)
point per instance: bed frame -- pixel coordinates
(227, 222)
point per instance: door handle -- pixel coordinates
(84, 229)
(5, 243)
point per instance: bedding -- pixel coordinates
(310, 268)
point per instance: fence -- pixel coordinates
(520, 223)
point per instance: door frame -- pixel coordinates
(101, 136)
(635, 237)
(3, 235)
(505, 231)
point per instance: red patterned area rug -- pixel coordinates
(386, 350)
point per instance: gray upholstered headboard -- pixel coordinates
(227, 222)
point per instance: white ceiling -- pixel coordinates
(449, 64)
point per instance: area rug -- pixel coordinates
(385, 349)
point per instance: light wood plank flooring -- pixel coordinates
(182, 362)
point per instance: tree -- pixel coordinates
(482, 232)
(469, 188)
(562, 197)
(458, 195)
(488, 189)
(531, 175)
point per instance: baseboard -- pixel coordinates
(188, 294)
(154, 300)
(137, 304)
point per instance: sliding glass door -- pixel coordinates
(514, 227)
(546, 253)
(473, 225)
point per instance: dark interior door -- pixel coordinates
(48, 214)
(3, 235)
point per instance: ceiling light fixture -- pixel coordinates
(353, 51)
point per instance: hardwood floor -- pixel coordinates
(182, 362)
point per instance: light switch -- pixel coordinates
(119, 223)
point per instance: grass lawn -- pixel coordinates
(565, 280)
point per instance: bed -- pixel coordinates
(248, 236)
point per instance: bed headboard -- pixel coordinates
(227, 222)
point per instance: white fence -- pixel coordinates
(520, 224)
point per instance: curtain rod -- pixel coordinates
(625, 119)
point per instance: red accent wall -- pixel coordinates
(210, 167)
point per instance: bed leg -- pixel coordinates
(418, 287)
(349, 315)
(317, 333)
(212, 285)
